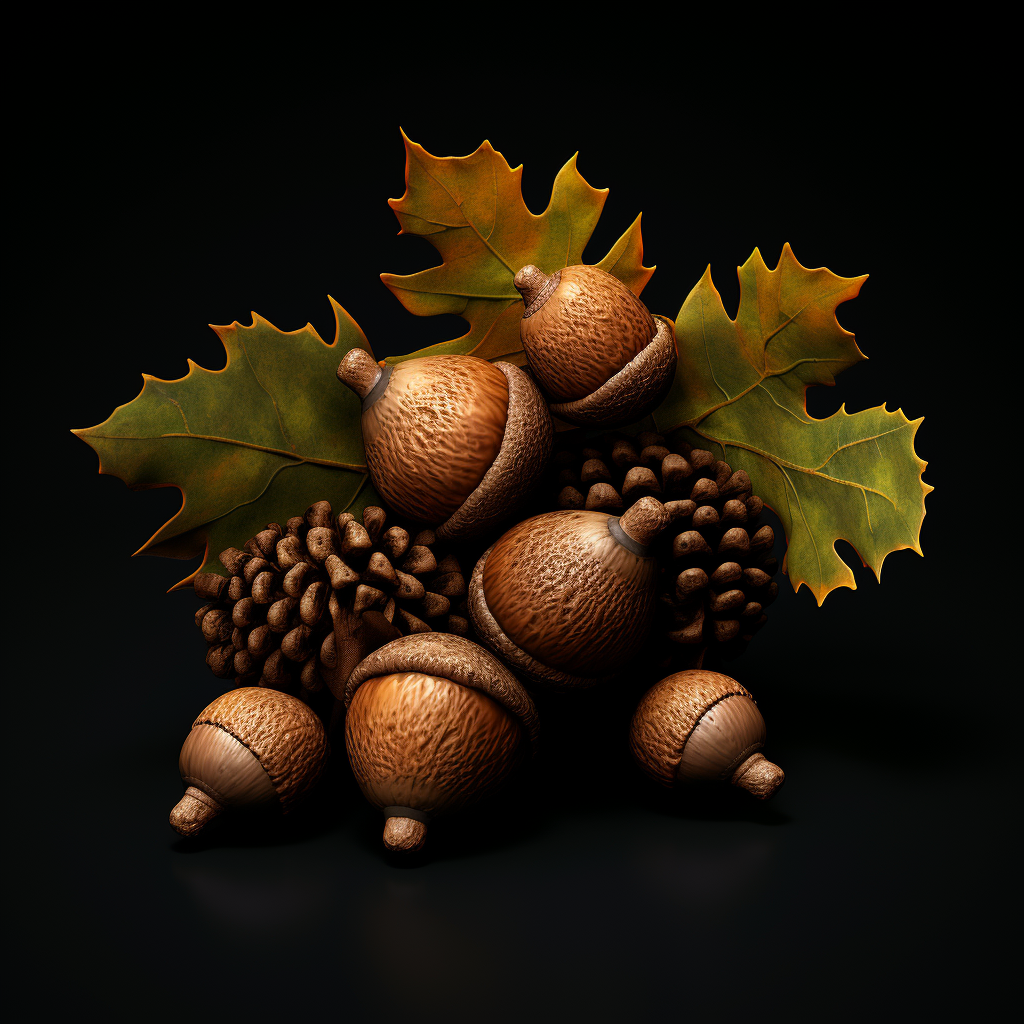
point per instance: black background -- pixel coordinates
(874, 878)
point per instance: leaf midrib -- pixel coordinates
(293, 456)
(470, 223)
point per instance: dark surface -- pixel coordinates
(871, 884)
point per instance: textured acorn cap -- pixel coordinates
(525, 449)
(457, 659)
(668, 714)
(283, 733)
(634, 391)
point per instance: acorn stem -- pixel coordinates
(194, 810)
(529, 282)
(645, 520)
(359, 371)
(404, 835)
(757, 775)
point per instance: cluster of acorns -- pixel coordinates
(431, 672)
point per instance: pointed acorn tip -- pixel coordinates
(645, 519)
(359, 371)
(529, 282)
(758, 776)
(404, 835)
(194, 810)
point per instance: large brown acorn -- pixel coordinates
(701, 726)
(568, 598)
(593, 346)
(453, 441)
(433, 723)
(250, 748)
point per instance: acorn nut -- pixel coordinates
(567, 598)
(434, 722)
(453, 441)
(593, 345)
(701, 726)
(251, 747)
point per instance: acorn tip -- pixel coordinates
(193, 811)
(404, 835)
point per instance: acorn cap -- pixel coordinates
(525, 448)
(632, 392)
(283, 733)
(668, 714)
(457, 659)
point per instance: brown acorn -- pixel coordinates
(593, 346)
(567, 598)
(251, 747)
(701, 726)
(453, 441)
(433, 723)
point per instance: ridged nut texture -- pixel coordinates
(434, 432)
(525, 449)
(567, 593)
(221, 766)
(433, 722)
(634, 391)
(283, 733)
(424, 742)
(588, 328)
(702, 726)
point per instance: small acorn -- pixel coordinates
(567, 598)
(701, 726)
(453, 441)
(251, 747)
(593, 345)
(433, 723)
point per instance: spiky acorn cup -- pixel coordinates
(305, 604)
(717, 563)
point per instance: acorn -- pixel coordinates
(701, 726)
(567, 598)
(452, 441)
(253, 747)
(595, 349)
(434, 722)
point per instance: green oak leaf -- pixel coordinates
(256, 442)
(740, 391)
(471, 208)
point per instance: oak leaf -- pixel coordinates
(256, 442)
(740, 391)
(471, 209)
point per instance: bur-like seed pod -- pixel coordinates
(567, 598)
(452, 441)
(305, 603)
(434, 722)
(250, 748)
(593, 346)
(701, 726)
